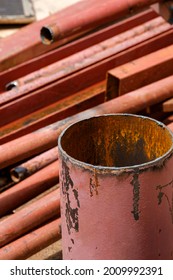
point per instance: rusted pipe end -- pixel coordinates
(49, 34)
(11, 85)
(18, 174)
(119, 141)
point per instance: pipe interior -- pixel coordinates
(116, 140)
(46, 35)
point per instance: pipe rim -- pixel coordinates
(103, 169)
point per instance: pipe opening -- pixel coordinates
(46, 35)
(11, 85)
(121, 140)
(18, 174)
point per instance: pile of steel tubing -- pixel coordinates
(110, 66)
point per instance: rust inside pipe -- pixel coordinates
(116, 140)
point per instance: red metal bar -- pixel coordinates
(87, 15)
(140, 72)
(26, 43)
(30, 217)
(46, 138)
(94, 74)
(33, 242)
(82, 43)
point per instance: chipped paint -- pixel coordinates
(71, 213)
(136, 196)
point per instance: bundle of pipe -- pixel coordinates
(38, 212)
(35, 87)
(32, 242)
(46, 138)
(65, 25)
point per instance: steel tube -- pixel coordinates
(85, 16)
(122, 165)
(94, 74)
(30, 217)
(29, 188)
(46, 138)
(33, 165)
(85, 58)
(33, 242)
(82, 43)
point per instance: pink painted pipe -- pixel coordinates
(116, 175)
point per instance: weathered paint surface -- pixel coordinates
(116, 211)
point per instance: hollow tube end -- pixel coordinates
(47, 35)
(18, 174)
(11, 85)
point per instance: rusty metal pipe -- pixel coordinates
(84, 59)
(122, 165)
(33, 242)
(30, 217)
(87, 15)
(94, 73)
(33, 63)
(29, 188)
(28, 168)
(46, 138)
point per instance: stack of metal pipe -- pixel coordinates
(95, 58)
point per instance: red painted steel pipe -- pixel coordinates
(30, 217)
(82, 43)
(122, 166)
(33, 242)
(85, 58)
(95, 73)
(87, 15)
(26, 44)
(46, 138)
(29, 188)
(33, 165)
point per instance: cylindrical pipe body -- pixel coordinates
(87, 15)
(30, 217)
(31, 166)
(32, 242)
(46, 138)
(29, 188)
(116, 175)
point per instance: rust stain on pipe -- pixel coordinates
(30, 217)
(33, 242)
(129, 161)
